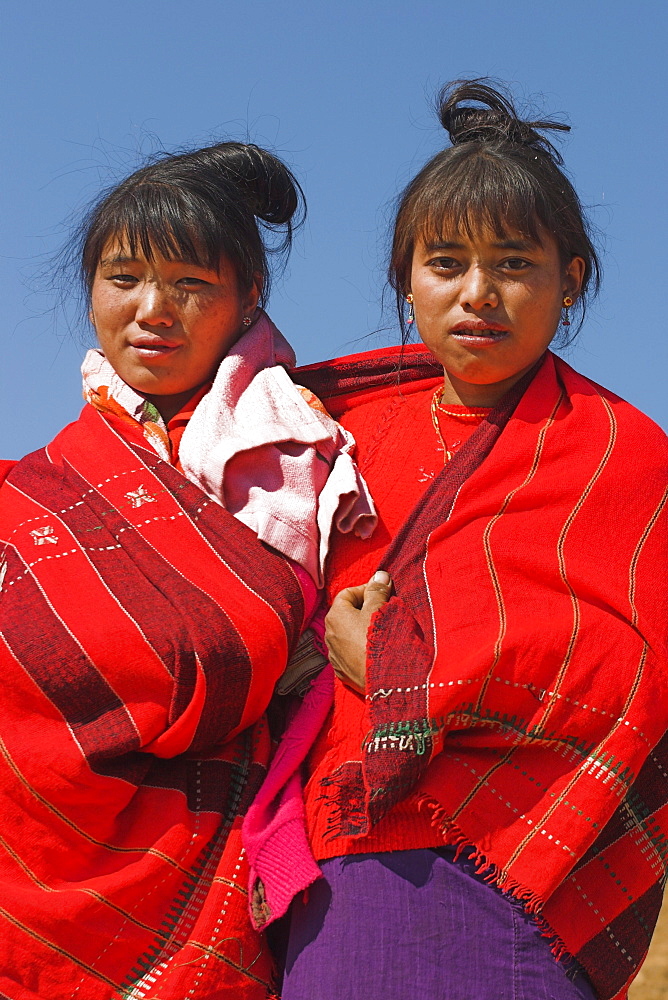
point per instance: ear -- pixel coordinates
(574, 277)
(252, 297)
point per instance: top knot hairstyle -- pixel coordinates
(228, 200)
(499, 173)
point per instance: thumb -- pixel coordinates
(377, 591)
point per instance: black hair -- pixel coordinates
(500, 173)
(231, 199)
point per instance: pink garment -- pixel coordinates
(261, 446)
(274, 828)
(270, 454)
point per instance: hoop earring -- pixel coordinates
(567, 302)
(411, 310)
(246, 321)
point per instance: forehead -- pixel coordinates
(122, 248)
(482, 233)
(118, 248)
(148, 239)
(133, 246)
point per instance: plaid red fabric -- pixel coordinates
(142, 631)
(517, 679)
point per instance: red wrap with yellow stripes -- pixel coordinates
(517, 680)
(143, 629)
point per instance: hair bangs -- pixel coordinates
(159, 220)
(200, 207)
(481, 195)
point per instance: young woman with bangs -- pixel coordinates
(159, 561)
(488, 805)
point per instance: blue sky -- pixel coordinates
(342, 91)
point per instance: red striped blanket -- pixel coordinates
(142, 631)
(517, 682)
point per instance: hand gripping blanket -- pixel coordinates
(143, 628)
(517, 682)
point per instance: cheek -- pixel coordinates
(215, 323)
(430, 297)
(531, 301)
(106, 311)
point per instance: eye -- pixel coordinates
(444, 263)
(517, 263)
(190, 281)
(123, 280)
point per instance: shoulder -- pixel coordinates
(345, 383)
(378, 422)
(627, 421)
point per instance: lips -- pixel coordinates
(478, 333)
(153, 347)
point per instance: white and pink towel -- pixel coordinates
(264, 449)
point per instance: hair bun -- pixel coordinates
(268, 187)
(496, 121)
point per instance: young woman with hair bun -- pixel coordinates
(488, 805)
(159, 561)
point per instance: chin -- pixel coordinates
(481, 375)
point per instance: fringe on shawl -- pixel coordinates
(531, 902)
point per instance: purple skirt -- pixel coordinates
(406, 924)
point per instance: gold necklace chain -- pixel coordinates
(435, 399)
(473, 414)
(437, 405)
(458, 415)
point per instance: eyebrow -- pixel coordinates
(129, 259)
(118, 259)
(515, 245)
(523, 245)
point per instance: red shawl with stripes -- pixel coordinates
(142, 631)
(517, 680)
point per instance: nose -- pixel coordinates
(478, 290)
(154, 307)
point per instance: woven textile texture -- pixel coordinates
(516, 681)
(143, 630)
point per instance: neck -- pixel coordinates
(169, 406)
(456, 391)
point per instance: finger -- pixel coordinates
(380, 583)
(350, 596)
(345, 607)
(377, 591)
(374, 599)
